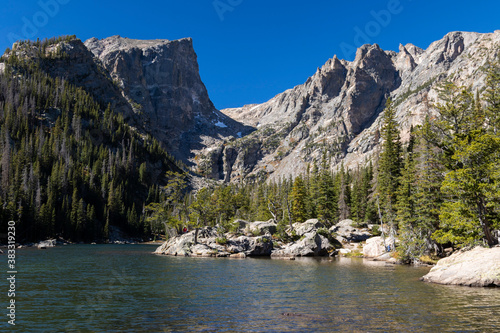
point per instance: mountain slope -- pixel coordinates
(337, 110)
(160, 81)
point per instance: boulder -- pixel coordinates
(347, 233)
(251, 246)
(238, 255)
(261, 227)
(374, 246)
(47, 243)
(312, 244)
(177, 246)
(203, 250)
(308, 226)
(479, 267)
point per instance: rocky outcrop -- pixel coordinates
(155, 84)
(46, 243)
(374, 247)
(313, 240)
(479, 267)
(346, 232)
(211, 244)
(311, 244)
(339, 108)
(259, 227)
(308, 226)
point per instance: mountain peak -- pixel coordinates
(337, 110)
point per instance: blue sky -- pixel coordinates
(251, 50)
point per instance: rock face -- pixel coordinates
(260, 227)
(339, 107)
(479, 267)
(47, 243)
(155, 84)
(308, 226)
(160, 80)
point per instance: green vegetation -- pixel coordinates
(70, 166)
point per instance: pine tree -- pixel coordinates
(326, 199)
(344, 195)
(299, 199)
(389, 167)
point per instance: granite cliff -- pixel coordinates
(155, 84)
(160, 80)
(338, 109)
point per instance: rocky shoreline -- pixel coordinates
(257, 239)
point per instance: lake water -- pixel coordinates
(125, 288)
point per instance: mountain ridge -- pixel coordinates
(336, 112)
(338, 109)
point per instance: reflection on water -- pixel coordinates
(124, 288)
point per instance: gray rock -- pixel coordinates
(344, 100)
(207, 245)
(306, 227)
(177, 246)
(160, 81)
(47, 243)
(347, 233)
(374, 246)
(479, 267)
(312, 244)
(251, 246)
(261, 228)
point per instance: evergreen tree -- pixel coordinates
(299, 199)
(389, 166)
(326, 199)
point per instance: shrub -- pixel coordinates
(221, 240)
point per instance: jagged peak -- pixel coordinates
(365, 50)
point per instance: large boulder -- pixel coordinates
(312, 244)
(177, 246)
(46, 243)
(306, 227)
(375, 247)
(251, 246)
(261, 227)
(479, 267)
(347, 233)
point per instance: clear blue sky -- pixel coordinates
(251, 50)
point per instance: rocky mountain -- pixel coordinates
(155, 84)
(337, 110)
(161, 83)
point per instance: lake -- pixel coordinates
(125, 288)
